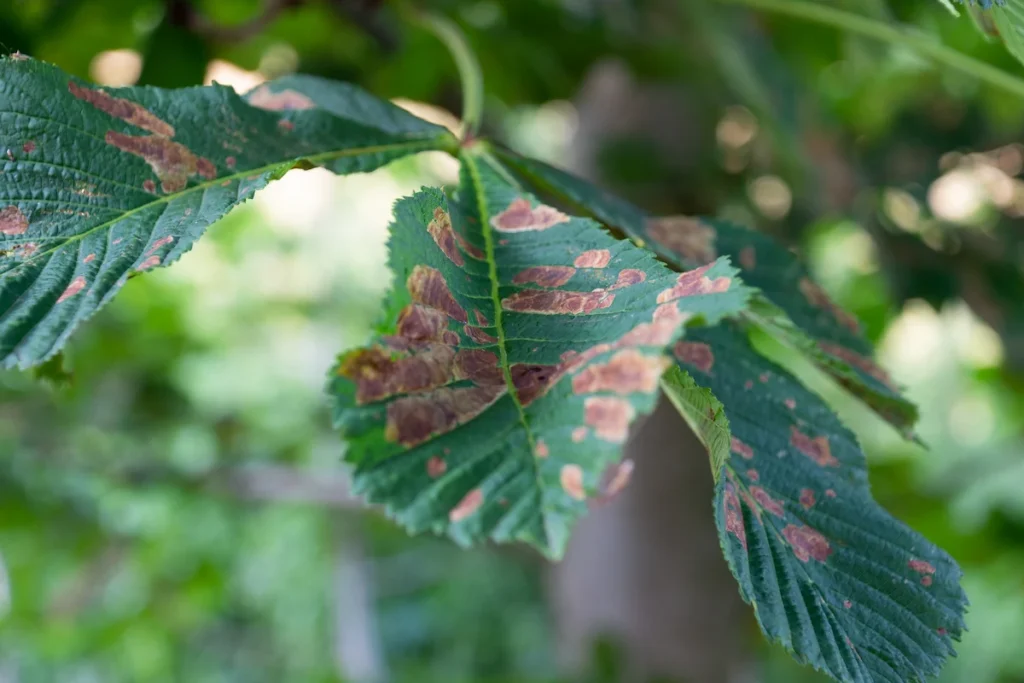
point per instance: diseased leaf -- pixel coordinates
(824, 330)
(98, 184)
(831, 575)
(522, 345)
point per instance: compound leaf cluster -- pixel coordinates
(532, 319)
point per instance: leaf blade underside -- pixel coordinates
(816, 326)
(99, 184)
(841, 583)
(526, 343)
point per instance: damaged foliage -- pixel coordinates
(522, 341)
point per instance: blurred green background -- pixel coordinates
(178, 512)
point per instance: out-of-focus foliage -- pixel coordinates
(134, 549)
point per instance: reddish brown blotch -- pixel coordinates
(685, 236)
(76, 286)
(817, 448)
(521, 216)
(807, 543)
(696, 354)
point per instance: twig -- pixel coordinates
(182, 13)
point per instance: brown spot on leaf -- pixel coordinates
(89, 259)
(478, 335)
(628, 278)
(521, 216)
(695, 283)
(764, 377)
(829, 493)
(817, 297)
(628, 371)
(753, 475)
(579, 434)
(741, 449)
(734, 515)
(610, 417)
(24, 251)
(941, 631)
(572, 481)
(594, 258)
(687, 237)
(922, 567)
(151, 262)
(766, 501)
(926, 581)
(479, 366)
(697, 354)
(441, 230)
(206, 168)
(480, 318)
(411, 420)
(421, 325)
(284, 100)
(378, 375)
(748, 258)
(748, 385)
(28, 147)
(817, 448)
(532, 381)
(557, 302)
(790, 403)
(76, 286)
(12, 221)
(847, 604)
(807, 543)
(807, 499)
(542, 450)
(160, 243)
(231, 162)
(467, 506)
(854, 359)
(129, 112)
(427, 286)
(545, 276)
(172, 162)
(658, 332)
(470, 249)
(149, 186)
(436, 466)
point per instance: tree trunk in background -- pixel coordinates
(646, 570)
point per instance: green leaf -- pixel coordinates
(1008, 18)
(831, 575)
(96, 185)
(828, 333)
(521, 344)
(704, 413)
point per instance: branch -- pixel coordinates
(889, 33)
(182, 13)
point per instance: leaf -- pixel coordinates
(522, 342)
(1008, 17)
(96, 185)
(704, 413)
(819, 327)
(831, 575)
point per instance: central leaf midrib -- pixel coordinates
(506, 369)
(167, 198)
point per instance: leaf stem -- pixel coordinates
(890, 33)
(469, 69)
